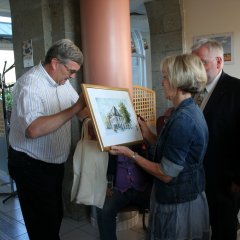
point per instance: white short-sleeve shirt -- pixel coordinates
(36, 94)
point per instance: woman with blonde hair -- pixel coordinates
(179, 208)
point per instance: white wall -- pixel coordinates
(213, 17)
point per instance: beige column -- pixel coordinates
(106, 42)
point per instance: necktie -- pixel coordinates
(200, 96)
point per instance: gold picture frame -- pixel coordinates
(112, 112)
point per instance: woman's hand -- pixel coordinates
(146, 132)
(121, 150)
(143, 126)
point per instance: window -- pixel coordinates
(138, 60)
(6, 50)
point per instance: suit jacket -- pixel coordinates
(222, 159)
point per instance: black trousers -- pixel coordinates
(223, 216)
(106, 217)
(39, 187)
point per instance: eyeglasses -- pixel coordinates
(206, 61)
(70, 71)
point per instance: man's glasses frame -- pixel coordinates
(70, 71)
(208, 60)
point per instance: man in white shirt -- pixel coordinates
(40, 137)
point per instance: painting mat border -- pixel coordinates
(128, 139)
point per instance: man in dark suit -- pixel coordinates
(221, 108)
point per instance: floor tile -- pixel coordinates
(22, 237)
(9, 205)
(130, 234)
(78, 233)
(12, 225)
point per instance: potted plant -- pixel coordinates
(8, 103)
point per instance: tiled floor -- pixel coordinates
(12, 224)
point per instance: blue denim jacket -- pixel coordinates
(182, 144)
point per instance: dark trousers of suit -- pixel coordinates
(39, 187)
(223, 217)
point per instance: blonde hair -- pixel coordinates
(185, 72)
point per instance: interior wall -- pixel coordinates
(206, 17)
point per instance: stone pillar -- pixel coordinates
(106, 41)
(165, 25)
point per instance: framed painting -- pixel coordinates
(226, 39)
(114, 119)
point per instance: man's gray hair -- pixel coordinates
(64, 50)
(211, 44)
